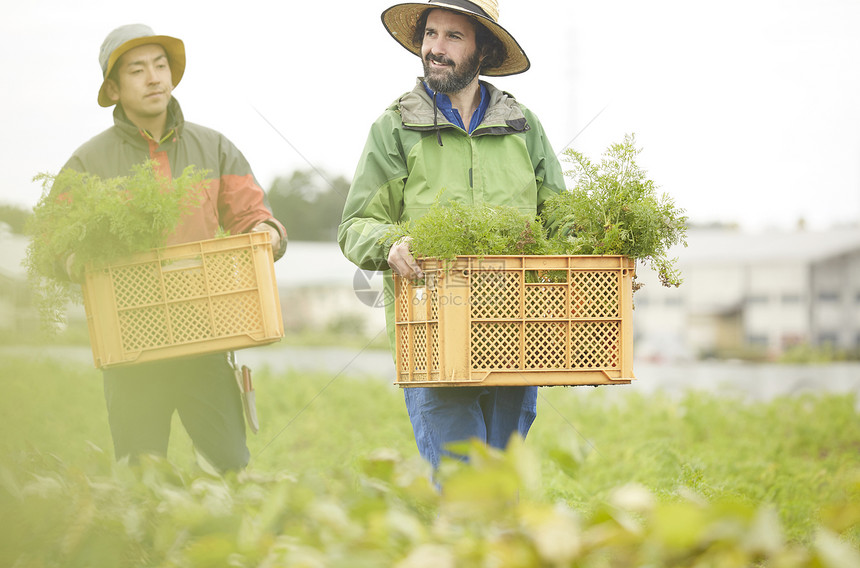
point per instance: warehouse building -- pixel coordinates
(766, 292)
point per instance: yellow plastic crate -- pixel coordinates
(188, 299)
(516, 320)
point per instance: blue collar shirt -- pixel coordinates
(443, 103)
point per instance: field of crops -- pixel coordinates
(603, 480)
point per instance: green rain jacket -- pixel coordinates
(506, 160)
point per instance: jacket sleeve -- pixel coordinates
(548, 174)
(375, 199)
(242, 203)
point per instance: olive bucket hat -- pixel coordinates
(401, 20)
(126, 38)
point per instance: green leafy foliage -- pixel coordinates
(614, 208)
(489, 514)
(100, 220)
(453, 228)
(309, 203)
(15, 217)
(695, 480)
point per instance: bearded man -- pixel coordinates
(451, 138)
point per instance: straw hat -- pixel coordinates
(401, 19)
(126, 38)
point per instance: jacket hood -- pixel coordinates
(504, 114)
(129, 131)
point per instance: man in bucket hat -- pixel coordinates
(139, 71)
(455, 136)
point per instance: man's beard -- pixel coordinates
(452, 80)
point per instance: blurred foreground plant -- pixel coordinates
(489, 512)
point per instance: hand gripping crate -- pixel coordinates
(516, 320)
(180, 300)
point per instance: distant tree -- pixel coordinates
(15, 217)
(309, 204)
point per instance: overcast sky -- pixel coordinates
(747, 111)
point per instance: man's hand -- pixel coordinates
(402, 262)
(273, 232)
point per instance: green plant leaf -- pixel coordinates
(100, 220)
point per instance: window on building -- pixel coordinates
(827, 338)
(791, 298)
(757, 299)
(828, 296)
(757, 340)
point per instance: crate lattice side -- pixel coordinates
(527, 320)
(187, 299)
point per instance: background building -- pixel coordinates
(764, 292)
(320, 289)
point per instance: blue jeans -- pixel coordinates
(441, 415)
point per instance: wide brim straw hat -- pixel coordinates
(126, 38)
(401, 19)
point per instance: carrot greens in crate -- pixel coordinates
(101, 220)
(612, 209)
(453, 228)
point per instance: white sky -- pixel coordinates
(748, 111)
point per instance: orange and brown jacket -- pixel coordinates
(233, 200)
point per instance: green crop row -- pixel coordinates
(608, 477)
